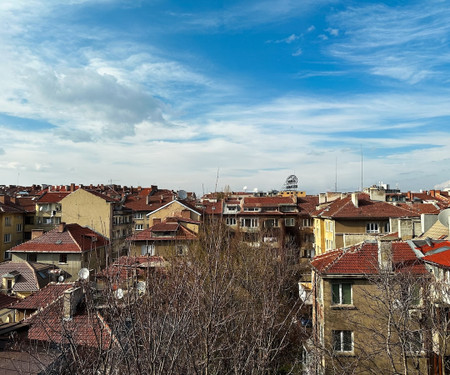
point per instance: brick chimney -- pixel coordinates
(385, 255)
(61, 227)
(35, 233)
(72, 187)
(4, 198)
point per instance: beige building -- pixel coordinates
(70, 247)
(368, 303)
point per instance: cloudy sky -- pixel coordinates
(176, 93)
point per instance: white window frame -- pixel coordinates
(289, 222)
(139, 227)
(340, 298)
(138, 215)
(7, 221)
(7, 238)
(231, 221)
(340, 334)
(372, 227)
(19, 228)
(253, 222)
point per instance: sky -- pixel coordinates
(201, 94)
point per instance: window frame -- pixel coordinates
(62, 258)
(7, 238)
(372, 227)
(341, 341)
(338, 299)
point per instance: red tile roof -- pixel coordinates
(85, 329)
(43, 297)
(362, 259)
(127, 266)
(345, 209)
(73, 239)
(437, 252)
(31, 276)
(5, 300)
(52, 197)
(267, 201)
(154, 233)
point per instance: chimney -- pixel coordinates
(385, 255)
(4, 198)
(61, 227)
(322, 198)
(35, 233)
(355, 199)
(72, 187)
(72, 298)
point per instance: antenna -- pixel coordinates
(217, 180)
(443, 217)
(362, 170)
(83, 274)
(335, 177)
(118, 293)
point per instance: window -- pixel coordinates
(270, 223)
(372, 228)
(62, 258)
(32, 257)
(414, 341)
(7, 238)
(19, 227)
(343, 341)
(230, 221)
(329, 245)
(7, 221)
(139, 227)
(251, 209)
(138, 215)
(387, 227)
(307, 222)
(251, 223)
(7, 255)
(289, 222)
(232, 208)
(341, 294)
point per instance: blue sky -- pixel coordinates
(171, 92)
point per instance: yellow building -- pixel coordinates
(101, 213)
(11, 224)
(48, 210)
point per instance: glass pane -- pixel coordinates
(346, 294)
(347, 341)
(335, 293)
(337, 340)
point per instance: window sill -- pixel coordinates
(345, 354)
(343, 307)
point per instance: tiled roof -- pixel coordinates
(11, 208)
(27, 203)
(83, 329)
(345, 209)
(52, 197)
(128, 266)
(436, 251)
(43, 297)
(437, 231)
(421, 208)
(73, 239)
(267, 201)
(150, 234)
(31, 276)
(362, 259)
(6, 300)
(308, 204)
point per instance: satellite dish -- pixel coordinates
(83, 274)
(141, 286)
(255, 190)
(61, 279)
(443, 217)
(245, 188)
(118, 293)
(182, 194)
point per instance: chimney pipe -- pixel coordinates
(72, 298)
(61, 227)
(355, 199)
(385, 255)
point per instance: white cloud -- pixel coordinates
(298, 52)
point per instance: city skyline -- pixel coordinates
(187, 95)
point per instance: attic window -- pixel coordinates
(58, 242)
